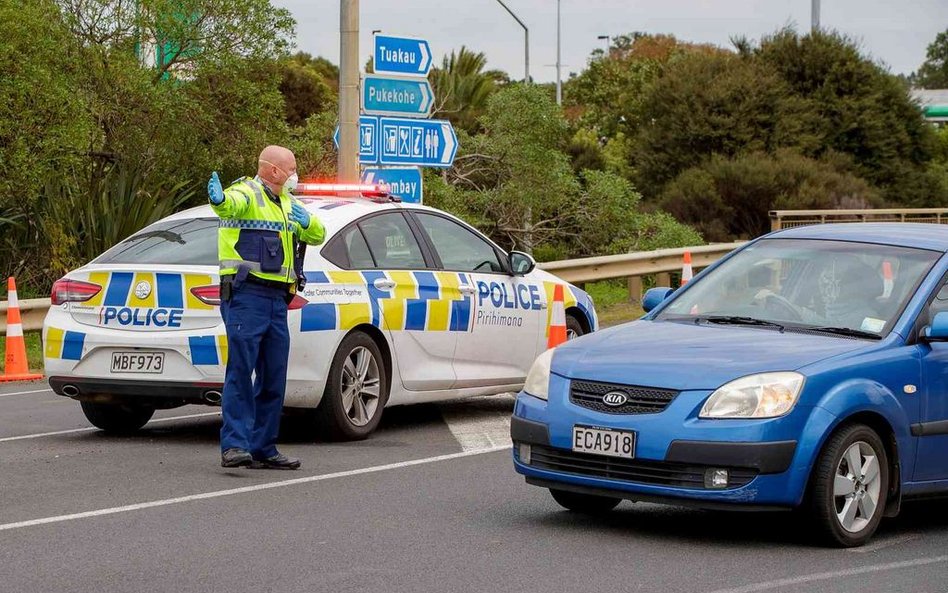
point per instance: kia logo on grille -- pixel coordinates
(615, 398)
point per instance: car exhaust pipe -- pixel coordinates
(70, 390)
(212, 397)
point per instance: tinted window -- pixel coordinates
(191, 241)
(391, 242)
(458, 247)
(349, 250)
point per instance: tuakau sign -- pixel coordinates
(406, 56)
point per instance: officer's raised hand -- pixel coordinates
(215, 191)
(299, 215)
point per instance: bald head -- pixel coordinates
(275, 165)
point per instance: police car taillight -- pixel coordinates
(298, 302)
(72, 291)
(209, 295)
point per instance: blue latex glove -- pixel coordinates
(299, 215)
(215, 191)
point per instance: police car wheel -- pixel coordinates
(584, 503)
(574, 328)
(356, 390)
(117, 418)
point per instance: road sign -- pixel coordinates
(402, 55)
(404, 182)
(423, 142)
(391, 95)
(368, 139)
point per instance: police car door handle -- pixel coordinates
(467, 289)
(384, 284)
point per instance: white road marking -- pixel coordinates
(25, 392)
(243, 490)
(92, 428)
(824, 576)
(475, 428)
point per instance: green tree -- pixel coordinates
(309, 86)
(462, 87)
(933, 73)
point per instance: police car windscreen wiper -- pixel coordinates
(843, 331)
(737, 320)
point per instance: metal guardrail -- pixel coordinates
(784, 219)
(633, 266)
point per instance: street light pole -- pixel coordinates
(559, 81)
(814, 16)
(608, 44)
(526, 43)
(348, 163)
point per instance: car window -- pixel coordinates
(808, 282)
(458, 247)
(190, 241)
(391, 242)
(349, 250)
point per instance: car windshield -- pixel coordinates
(187, 241)
(845, 288)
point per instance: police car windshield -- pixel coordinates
(854, 289)
(192, 241)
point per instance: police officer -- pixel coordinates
(260, 226)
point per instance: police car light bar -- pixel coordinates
(375, 192)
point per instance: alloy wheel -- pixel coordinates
(857, 486)
(361, 386)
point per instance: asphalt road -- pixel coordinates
(431, 503)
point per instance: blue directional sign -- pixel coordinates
(402, 55)
(422, 142)
(368, 139)
(404, 182)
(391, 95)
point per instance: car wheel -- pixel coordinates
(574, 328)
(356, 390)
(849, 486)
(584, 503)
(117, 418)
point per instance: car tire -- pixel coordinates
(574, 328)
(848, 511)
(340, 416)
(586, 504)
(117, 418)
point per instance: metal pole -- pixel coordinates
(348, 163)
(608, 44)
(815, 16)
(559, 82)
(526, 42)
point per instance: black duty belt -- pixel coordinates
(271, 283)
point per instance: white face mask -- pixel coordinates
(291, 181)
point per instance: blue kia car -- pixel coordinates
(808, 369)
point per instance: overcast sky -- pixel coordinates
(895, 32)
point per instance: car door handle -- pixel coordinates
(384, 284)
(467, 289)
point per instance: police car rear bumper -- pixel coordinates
(167, 394)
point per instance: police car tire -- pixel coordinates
(331, 418)
(117, 418)
(587, 504)
(573, 325)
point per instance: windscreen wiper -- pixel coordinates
(737, 320)
(843, 331)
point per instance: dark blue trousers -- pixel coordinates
(258, 342)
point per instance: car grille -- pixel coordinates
(642, 400)
(662, 473)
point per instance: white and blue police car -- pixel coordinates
(403, 304)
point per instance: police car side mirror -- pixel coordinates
(521, 263)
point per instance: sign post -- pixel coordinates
(394, 95)
(404, 182)
(420, 142)
(405, 56)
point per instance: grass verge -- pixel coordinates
(612, 302)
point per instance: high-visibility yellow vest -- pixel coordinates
(255, 232)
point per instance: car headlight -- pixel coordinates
(538, 379)
(766, 395)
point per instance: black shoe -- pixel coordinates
(236, 458)
(278, 461)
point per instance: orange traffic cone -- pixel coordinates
(686, 271)
(557, 319)
(887, 282)
(16, 367)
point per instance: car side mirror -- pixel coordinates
(937, 331)
(521, 263)
(654, 297)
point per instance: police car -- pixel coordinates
(403, 304)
